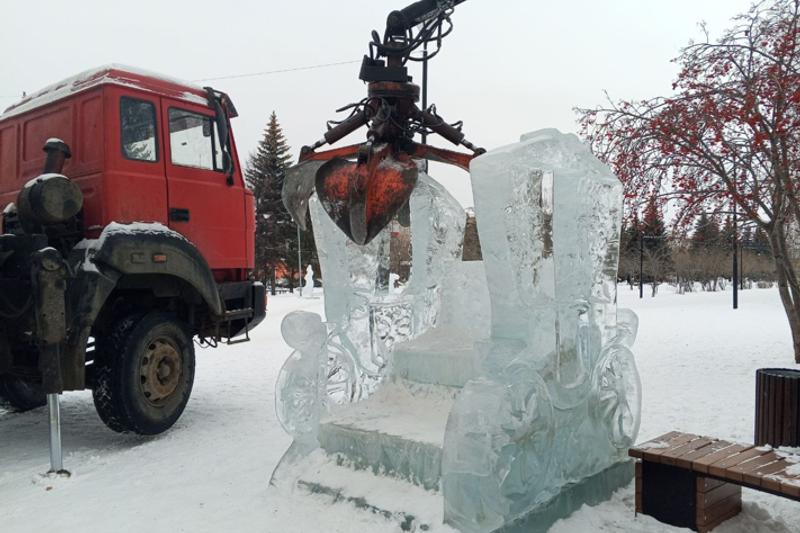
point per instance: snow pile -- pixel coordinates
(654, 445)
(42, 178)
(210, 473)
(138, 228)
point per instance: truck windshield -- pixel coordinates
(194, 140)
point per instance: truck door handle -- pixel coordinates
(178, 214)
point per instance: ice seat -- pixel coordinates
(399, 431)
(438, 357)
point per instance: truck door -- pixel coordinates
(204, 205)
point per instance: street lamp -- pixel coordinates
(299, 261)
(735, 276)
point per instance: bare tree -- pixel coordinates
(729, 133)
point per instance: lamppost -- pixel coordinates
(425, 93)
(641, 266)
(735, 276)
(299, 261)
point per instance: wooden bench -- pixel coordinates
(696, 482)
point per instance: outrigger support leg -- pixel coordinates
(56, 454)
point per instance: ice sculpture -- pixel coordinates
(308, 288)
(508, 385)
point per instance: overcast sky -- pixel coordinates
(511, 66)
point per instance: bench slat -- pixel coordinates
(654, 454)
(791, 486)
(714, 447)
(638, 451)
(702, 464)
(758, 476)
(737, 472)
(671, 457)
(722, 468)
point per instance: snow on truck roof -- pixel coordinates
(109, 74)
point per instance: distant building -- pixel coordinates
(472, 243)
(400, 251)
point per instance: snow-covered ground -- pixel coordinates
(697, 358)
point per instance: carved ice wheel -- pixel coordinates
(617, 392)
(297, 390)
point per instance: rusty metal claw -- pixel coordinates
(363, 197)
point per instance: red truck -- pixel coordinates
(127, 232)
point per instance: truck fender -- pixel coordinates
(154, 249)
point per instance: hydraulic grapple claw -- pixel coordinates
(362, 198)
(362, 187)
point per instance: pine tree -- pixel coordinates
(760, 243)
(630, 235)
(629, 250)
(656, 251)
(706, 234)
(654, 231)
(276, 232)
(728, 234)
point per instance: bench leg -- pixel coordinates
(717, 501)
(682, 498)
(639, 488)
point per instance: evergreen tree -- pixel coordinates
(629, 250)
(276, 232)
(654, 231)
(656, 251)
(629, 236)
(760, 243)
(728, 234)
(706, 234)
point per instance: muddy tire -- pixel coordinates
(144, 373)
(20, 395)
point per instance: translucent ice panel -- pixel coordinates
(559, 400)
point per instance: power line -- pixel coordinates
(248, 75)
(267, 72)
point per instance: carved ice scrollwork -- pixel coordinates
(390, 323)
(616, 385)
(298, 389)
(498, 441)
(343, 379)
(618, 399)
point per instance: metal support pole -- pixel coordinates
(425, 92)
(56, 455)
(741, 266)
(641, 266)
(299, 262)
(735, 279)
(424, 85)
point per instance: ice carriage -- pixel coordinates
(504, 388)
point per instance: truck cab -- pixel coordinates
(127, 232)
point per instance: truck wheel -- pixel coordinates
(20, 395)
(144, 374)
